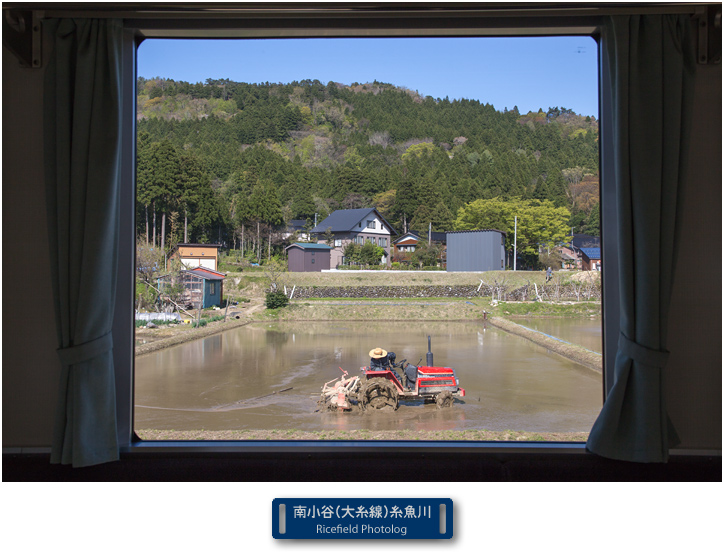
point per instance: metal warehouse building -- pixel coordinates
(475, 250)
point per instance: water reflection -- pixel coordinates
(231, 381)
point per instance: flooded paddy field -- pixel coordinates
(583, 331)
(268, 377)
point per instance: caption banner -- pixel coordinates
(362, 518)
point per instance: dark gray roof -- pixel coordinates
(579, 240)
(346, 220)
(438, 236)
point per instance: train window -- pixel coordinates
(247, 146)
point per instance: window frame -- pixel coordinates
(275, 23)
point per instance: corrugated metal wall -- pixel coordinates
(296, 259)
(320, 258)
(475, 251)
(300, 260)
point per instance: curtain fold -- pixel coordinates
(652, 70)
(82, 111)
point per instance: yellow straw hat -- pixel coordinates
(378, 353)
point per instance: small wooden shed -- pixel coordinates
(200, 286)
(308, 257)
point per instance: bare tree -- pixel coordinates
(275, 272)
(497, 287)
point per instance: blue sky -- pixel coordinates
(529, 72)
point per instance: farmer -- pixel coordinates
(383, 360)
(379, 360)
(549, 274)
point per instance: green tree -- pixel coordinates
(426, 254)
(352, 253)
(371, 253)
(593, 223)
(144, 192)
(541, 226)
(193, 186)
(161, 181)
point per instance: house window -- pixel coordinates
(212, 288)
(383, 242)
(312, 261)
(337, 242)
(371, 224)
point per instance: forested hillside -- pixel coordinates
(218, 158)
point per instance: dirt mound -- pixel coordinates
(586, 276)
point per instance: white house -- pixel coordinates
(359, 225)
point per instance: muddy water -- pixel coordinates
(584, 332)
(228, 381)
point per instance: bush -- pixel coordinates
(275, 300)
(142, 323)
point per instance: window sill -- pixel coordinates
(358, 447)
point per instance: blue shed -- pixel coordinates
(475, 250)
(200, 286)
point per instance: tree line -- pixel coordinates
(229, 162)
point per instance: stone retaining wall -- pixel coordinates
(524, 293)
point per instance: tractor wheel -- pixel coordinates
(379, 394)
(444, 399)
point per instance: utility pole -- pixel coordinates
(515, 245)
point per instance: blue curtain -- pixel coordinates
(82, 110)
(652, 67)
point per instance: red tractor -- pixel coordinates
(381, 386)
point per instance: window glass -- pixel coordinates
(229, 155)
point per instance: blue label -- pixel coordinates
(362, 518)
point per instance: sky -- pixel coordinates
(530, 73)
